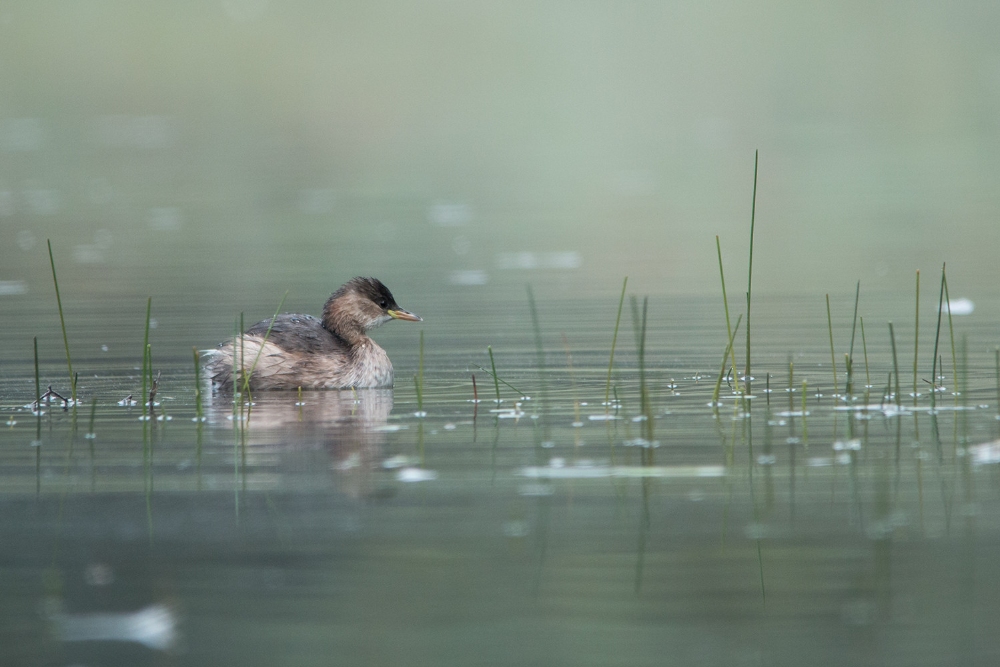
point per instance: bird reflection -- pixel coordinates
(349, 426)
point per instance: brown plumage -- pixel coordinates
(302, 351)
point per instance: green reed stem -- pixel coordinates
(864, 347)
(62, 322)
(496, 380)
(916, 341)
(419, 379)
(647, 409)
(895, 361)
(753, 213)
(951, 330)
(805, 422)
(614, 341)
(420, 363)
(260, 350)
(833, 356)
(243, 366)
(725, 302)
(539, 350)
(791, 384)
(722, 371)
(500, 380)
(197, 384)
(996, 354)
(850, 354)
(849, 367)
(145, 358)
(937, 337)
(38, 383)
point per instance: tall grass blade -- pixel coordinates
(833, 356)
(197, 385)
(753, 213)
(145, 359)
(916, 341)
(496, 380)
(996, 354)
(895, 362)
(864, 347)
(725, 301)
(951, 329)
(260, 350)
(499, 379)
(539, 349)
(62, 322)
(850, 353)
(418, 380)
(38, 383)
(614, 341)
(937, 337)
(722, 371)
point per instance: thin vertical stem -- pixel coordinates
(753, 213)
(937, 337)
(864, 347)
(145, 358)
(38, 383)
(496, 382)
(916, 340)
(996, 353)
(197, 385)
(833, 356)
(725, 302)
(895, 361)
(62, 322)
(850, 353)
(614, 341)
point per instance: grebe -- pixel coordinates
(334, 352)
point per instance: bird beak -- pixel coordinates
(404, 315)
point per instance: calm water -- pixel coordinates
(215, 155)
(346, 529)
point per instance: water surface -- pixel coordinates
(533, 531)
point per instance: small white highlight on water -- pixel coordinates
(601, 471)
(398, 461)
(847, 445)
(528, 260)
(516, 528)
(468, 278)
(416, 475)
(985, 453)
(153, 627)
(13, 287)
(449, 214)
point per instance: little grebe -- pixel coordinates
(302, 351)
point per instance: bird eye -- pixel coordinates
(383, 303)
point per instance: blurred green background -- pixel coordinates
(209, 150)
